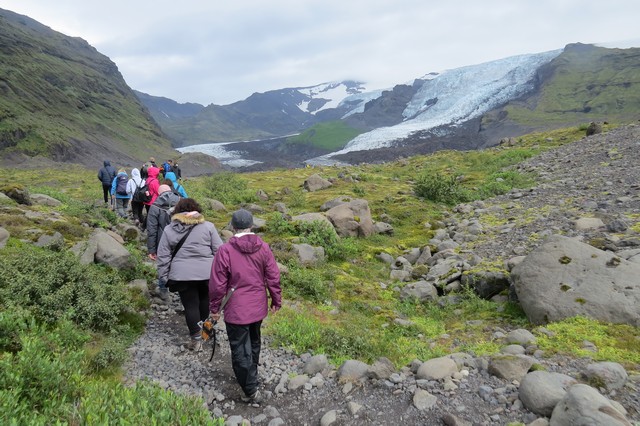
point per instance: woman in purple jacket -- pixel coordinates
(245, 269)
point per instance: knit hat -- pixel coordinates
(241, 219)
(163, 188)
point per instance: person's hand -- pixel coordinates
(214, 317)
(274, 309)
(153, 256)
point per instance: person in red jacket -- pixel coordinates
(154, 186)
(242, 269)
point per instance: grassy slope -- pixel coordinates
(57, 90)
(584, 83)
(330, 136)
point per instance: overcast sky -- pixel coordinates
(214, 51)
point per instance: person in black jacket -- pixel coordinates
(106, 176)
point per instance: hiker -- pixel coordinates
(176, 186)
(152, 162)
(177, 171)
(242, 268)
(134, 183)
(154, 185)
(184, 258)
(160, 216)
(119, 191)
(167, 167)
(106, 175)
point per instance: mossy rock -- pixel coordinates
(18, 193)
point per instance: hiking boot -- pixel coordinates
(255, 398)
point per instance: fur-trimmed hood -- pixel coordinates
(188, 218)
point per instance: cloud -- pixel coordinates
(221, 52)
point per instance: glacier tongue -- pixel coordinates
(460, 94)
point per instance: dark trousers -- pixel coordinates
(244, 341)
(195, 300)
(136, 208)
(106, 192)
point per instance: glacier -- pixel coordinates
(459, 94)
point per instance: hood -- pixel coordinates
(106, 163)
(153, 172)
(188, 218)
(172, 176)
(249, 243)
(135, 175)
(166, 200)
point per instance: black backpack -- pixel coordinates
(121, 184)
(142, 193)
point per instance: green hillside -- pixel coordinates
(330, 136)
(584, 83)
(61, 99)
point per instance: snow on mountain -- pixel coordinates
(330, 94)
(453, 97)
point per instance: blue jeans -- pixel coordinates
(162, 285)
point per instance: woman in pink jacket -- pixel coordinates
(245, 269)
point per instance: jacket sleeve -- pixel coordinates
(113, 186)
(100, 175)
(164, 258)
(272, 278)
(182, 192)
(218, 281)
(152, 230)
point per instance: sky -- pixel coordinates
(219, 52)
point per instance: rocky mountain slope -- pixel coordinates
(588, 190)
(62, 100)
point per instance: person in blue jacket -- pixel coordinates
(176, 186)
(106, 175)
(119, 190)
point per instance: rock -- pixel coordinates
(343, 199)
(446, 271)
(510, 367)
(609, 375)
(423, 400)
(540, 391)
(593, 129)
(216, 205)
(352, 219)
(521, 337)
(281, 207)
(564, 278)
(297, 382)
(352, 371)
(383, 228)
(4, 237)
(110, 252)
(353, 407)
(420, 290)
(437, 368)
(382, 368)
(18, 194)
(486, 284)
(451, 420)
(583, 405)
(385, 257)
(315, 364)
(312, 217)
(315, 183)
(52, 242)
(262, 195)
(512, 350)
(329, 418)
(588, 223)
(45, 200)
(308, 254)
(424, 256)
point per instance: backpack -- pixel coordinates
(166, 168)
(121, 184)
(142, 194)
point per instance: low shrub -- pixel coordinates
(305, 283)
(228, 188)
(440, 188)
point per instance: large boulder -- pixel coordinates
(583, 405)
(315, 183)
(564, 277)
(420, 290)
(308, 254)
(111, 252)
(45, 200)
(312, 217)
(352, 219)
(540, 391)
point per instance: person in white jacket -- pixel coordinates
(134, 183)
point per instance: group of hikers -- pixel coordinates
(237, 277)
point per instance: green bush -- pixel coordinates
(319, 233)
(228, 188)
(305, 283)
(440, 189)
(54, 285)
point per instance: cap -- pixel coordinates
(241, 219)
(163, 188)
